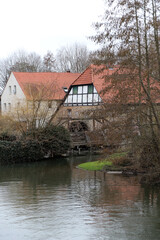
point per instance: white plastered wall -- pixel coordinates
(16, 103)
(11, 99)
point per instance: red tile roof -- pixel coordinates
(121, 85)
(47, 85)
(85, 78)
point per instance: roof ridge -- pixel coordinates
(14, 72)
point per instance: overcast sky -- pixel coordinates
(42, 25)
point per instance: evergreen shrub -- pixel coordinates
(20, 151)
(35, 145)
(54, 140)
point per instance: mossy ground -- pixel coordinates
(107, 163)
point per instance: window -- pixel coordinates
(85, 98)
(79, 98)
(85, 89)
(10, 90)
(79, 89)
(9, 106)
(14, 89)
(74, 98)
(90, 98)
(70, 99)
(5, 106)
(75, 89)
(90, 89)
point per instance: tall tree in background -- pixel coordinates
(49, 62)
(20, 61)
(130, 30)
(74, 58)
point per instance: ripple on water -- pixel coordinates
(48, 201)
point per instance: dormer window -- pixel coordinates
(65, 89)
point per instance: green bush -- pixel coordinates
(54, 140)
(51, 141)
(20, 151)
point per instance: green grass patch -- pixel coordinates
(99, 165)
(95, 166)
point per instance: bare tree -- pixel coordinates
(19, 61)
(130, 29)
(37, 109)
(74, 58)
(49, 62)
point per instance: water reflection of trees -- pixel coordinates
(31, 181)
(114, 189)
(151, 198)
(128, 210)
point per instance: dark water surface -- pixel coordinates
(54, 200)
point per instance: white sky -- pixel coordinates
(42, 25)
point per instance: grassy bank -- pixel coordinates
(112, 162)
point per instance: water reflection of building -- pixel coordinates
(113, 189)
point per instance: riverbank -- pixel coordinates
(113, 162)
(123, 163)
(120, 163)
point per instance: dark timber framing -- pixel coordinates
(83, 95)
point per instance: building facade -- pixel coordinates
(35, 95)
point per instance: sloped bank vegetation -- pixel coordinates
(117, 161)
(113, 162)
(147, 167)
(34, 145)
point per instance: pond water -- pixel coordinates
(53, 200)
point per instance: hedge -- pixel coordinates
(20, 151)
(51, 141)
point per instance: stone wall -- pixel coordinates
(70, 114)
